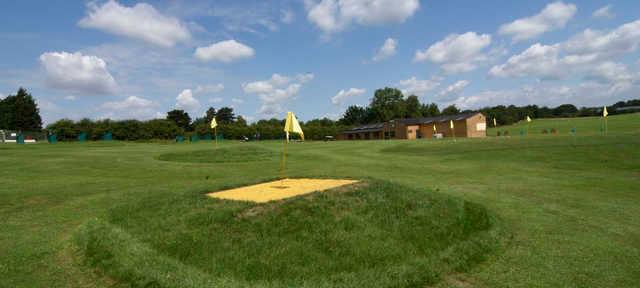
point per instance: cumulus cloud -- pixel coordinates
(387, 50)
(336, 15)
(553, 16)
(224, 51)
(345, 94)
(133, 107)
(414, 86)
(77, 73)
(186, 101)
(582, 53)
(216, 100)
(209, 89)
(457, 52)
(142, 22)
(453, 90)
(604, 13)
(275, 91)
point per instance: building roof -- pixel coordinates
(412, 121)
(436, 119)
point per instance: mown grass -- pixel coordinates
(378, 235)
(570, 204)
(240, 153)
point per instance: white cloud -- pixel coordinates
(414, 86)
(275, 91)
(287, 16)
(69, 97)
(85, 75)
(237, 100)
(587, 93)
(224, 51)
(580, 54)
(207, 89)
(216, 100)
(186, 101)
(335, 15)
(553, 16)
(141, 21)
(604, 13)
(306, 77)
(453, 90)
(132, 107)
(538, 60)
(387, 50)
(345, 94)
(457, 52)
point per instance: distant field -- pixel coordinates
(536, 211)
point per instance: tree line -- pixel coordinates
(20, 112)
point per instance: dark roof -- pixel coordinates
(435, 119)
(412, 121)
(367, 128)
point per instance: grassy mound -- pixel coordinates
(221, 155)
(377, 234)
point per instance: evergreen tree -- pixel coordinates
(181, 119)
(225, 115)
(20, 112)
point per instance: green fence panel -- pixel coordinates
(107, 136)
(20, 139)
(194, 138)
(179, 139)
(53, 139)
(82, 137)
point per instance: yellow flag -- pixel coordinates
(451, 124)
(528, 119)
(604, 112)
(292, 126)
(495, 123)
(214, 124)
(434, 128)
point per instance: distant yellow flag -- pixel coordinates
(495, 124)
(451, 124)
(214, 124)
(434, 128)
(528, 119)
(292, 126)
(604, 112)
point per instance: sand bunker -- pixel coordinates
(279, 189)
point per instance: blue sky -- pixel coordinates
(129, 59)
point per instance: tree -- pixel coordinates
(64, 129)
(565, 110)
(451, 110)
(181, 119)
(225, 115)
(210, 114)
(354, 115)
(387, 104)
(20, 112)
(430, 110)
(413, 107)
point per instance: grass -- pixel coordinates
(238, 154)
(568, 205)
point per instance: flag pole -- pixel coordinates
(215, 134)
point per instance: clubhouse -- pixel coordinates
(472, 124)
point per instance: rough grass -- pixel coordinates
(571, 208)
(378, 235)
(241, 153)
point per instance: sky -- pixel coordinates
(138, 60)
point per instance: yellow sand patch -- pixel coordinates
(279, 189)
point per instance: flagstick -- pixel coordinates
(605, 126)
(215, 134)
(283, 162)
